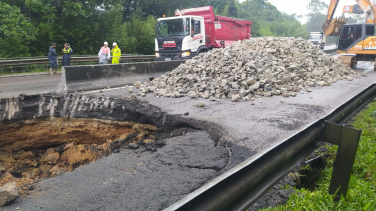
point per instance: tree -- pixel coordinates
(316, 16)
(317, 6)
(268, 21)
(15, 32)
(27, 27)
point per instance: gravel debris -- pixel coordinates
(200, 104)
(256, 67)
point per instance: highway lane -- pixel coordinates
(259, 126)
(39, 84)
(32, 84)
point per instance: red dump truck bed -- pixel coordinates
(220, 28)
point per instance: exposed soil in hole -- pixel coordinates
(34, 149)
(43, 134)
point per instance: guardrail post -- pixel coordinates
(347, 140)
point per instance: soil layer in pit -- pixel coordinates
(34, 149)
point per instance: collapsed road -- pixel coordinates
(184, 163)
(191, 146)
(187, 154)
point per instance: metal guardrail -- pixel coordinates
(5, 63)
(42, 57)
(240, 187)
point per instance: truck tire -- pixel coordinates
(202, 49)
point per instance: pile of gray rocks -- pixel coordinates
(257, 67)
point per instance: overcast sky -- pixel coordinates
(300, 6)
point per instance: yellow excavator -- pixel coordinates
(358, 39)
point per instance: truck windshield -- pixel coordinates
(173, 27)
(315, 37)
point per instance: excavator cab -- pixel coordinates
(354, 34)
(349, 36)
(358, 40)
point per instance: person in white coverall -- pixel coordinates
(104, 54)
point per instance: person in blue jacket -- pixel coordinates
(52, 57)
(67, 52)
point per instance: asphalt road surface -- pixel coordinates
(31, 84)
(260, 126)
(11, 86)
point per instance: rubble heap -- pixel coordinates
(251, 68)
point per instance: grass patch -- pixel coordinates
(362, 189)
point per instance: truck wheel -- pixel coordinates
(202, 50)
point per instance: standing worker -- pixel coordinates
(67, 51)
(116, 53)
(104, 54)
(52, 57)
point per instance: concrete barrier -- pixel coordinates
(89, 77)
(330, 51)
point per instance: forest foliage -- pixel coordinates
(27, 27)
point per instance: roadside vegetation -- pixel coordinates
(28, 27)
(362, 189)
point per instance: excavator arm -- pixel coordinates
(369, 10)
(332, 27)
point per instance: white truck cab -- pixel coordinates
(318, 38)
(180, 37)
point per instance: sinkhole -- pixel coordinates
(40, 148)
(43, 136)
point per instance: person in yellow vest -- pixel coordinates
(116, 53)
(67, 51)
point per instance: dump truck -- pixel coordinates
(197, 30)
(318, 38)
(356, 39)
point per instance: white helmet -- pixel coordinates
(106, 43)
(113, 44)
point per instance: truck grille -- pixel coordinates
(170, 55)
(170, 49)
